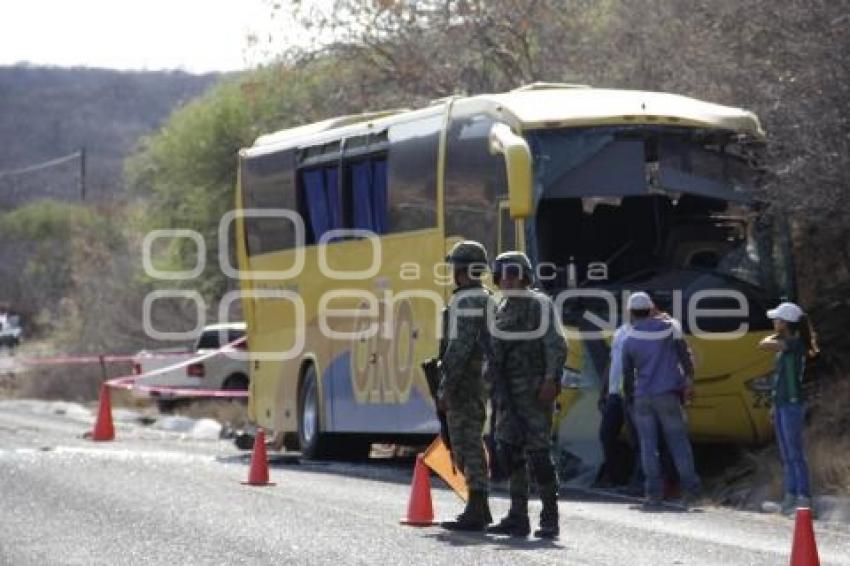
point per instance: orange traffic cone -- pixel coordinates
(103, 429)
(259, 473)
(420, 511)
(804, 552)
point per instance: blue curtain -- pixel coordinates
(332, 192)
(379, 196)
(361, 183)
(317, 202)
(369, 195)
(321, 192)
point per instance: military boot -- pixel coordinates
(515, 522)
(549, 527)
(475, 516)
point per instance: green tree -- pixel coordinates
(68, 272)
(185, 174)
(786, 60)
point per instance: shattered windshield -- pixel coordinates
(620, 205)
(631, 161)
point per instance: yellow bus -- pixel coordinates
(342, 227)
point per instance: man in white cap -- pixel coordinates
(658, 374)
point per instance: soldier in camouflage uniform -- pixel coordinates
(526, 378)
(463, 391)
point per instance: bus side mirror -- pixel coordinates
(517, 156)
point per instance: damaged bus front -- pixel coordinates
(611, 192)
(672, 211)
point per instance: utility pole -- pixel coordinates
(83, 173)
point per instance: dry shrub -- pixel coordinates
(77, 383)
(828, 444)
(757, 473)
(8, 385)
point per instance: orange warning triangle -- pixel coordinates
(439, 459)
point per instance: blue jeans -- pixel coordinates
(665, 412)
(788, 421)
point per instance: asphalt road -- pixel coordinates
(155, 497)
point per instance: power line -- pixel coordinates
(76, 156)
(43, 165)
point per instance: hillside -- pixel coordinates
(47, 113)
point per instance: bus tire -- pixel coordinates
(310, 438)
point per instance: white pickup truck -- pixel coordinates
(217, 372)
(10, 330)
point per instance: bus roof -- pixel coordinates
(545, 105)
(548, 106)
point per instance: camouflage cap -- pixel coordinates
(467, 252)
(513, 259)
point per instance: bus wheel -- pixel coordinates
(309, 424)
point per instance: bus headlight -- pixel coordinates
(761, 384)
(571, 379)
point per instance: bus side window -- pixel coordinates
(475, 180)
(413, 156)
(268, 183)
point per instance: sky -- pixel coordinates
(194, 35)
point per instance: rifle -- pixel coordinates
(502, 403)
(431, 368)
